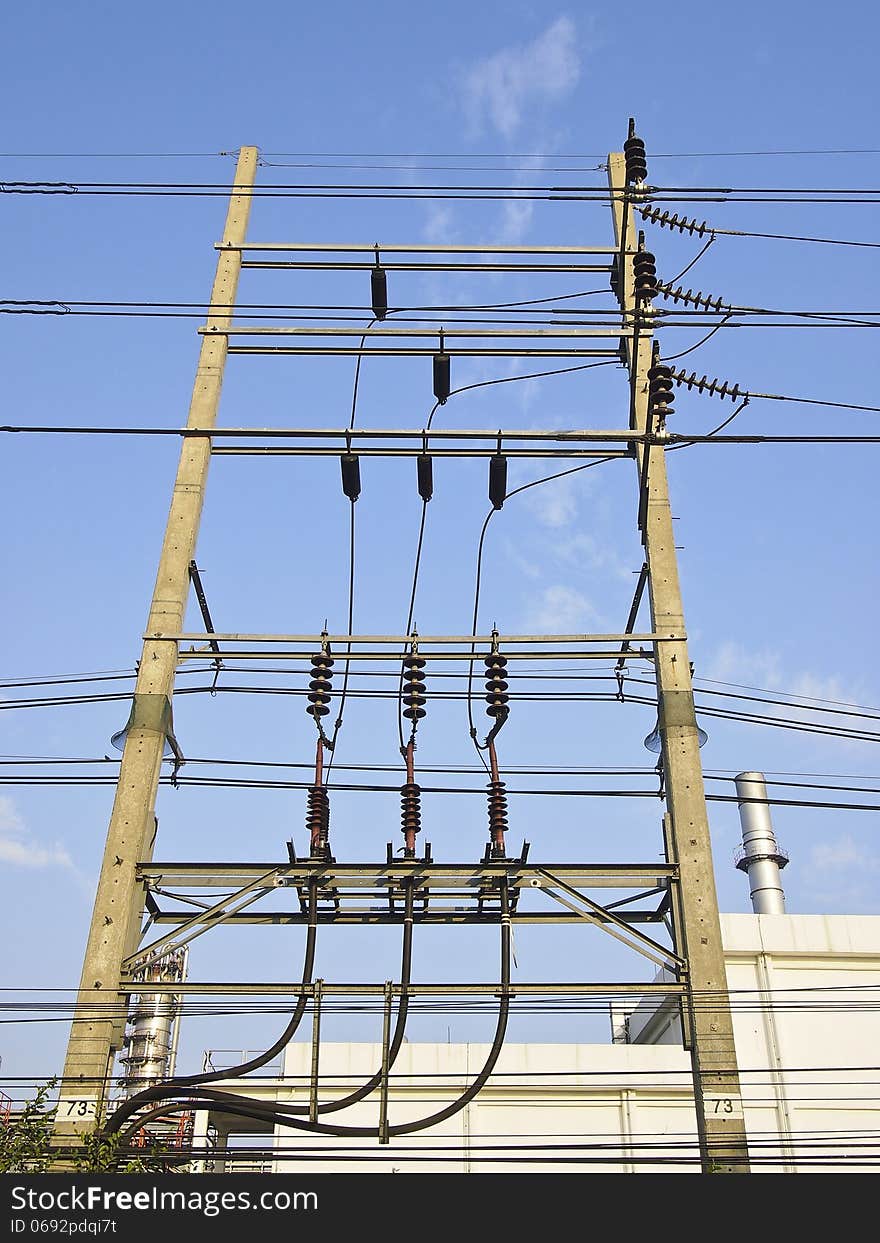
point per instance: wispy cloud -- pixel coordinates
(559, 610)
(19, 849)
(499, 89)
(441, 226)
(842, 874)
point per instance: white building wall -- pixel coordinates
(807, 1064)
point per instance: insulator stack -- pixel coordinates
(318, 821)
(636, 160)
(698, 299)
(320, 686)
(442, 379)
(645, 276)
(498, 824)
(379, 291)
(414, 696)
(715, 388)
(410, 815)
(669, 220)
(660, 391)
(496, 685)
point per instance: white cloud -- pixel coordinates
(559, 610)
(844, 853)
(17, 847)
(499, 88)
(843, 875)
(554, 504)
(440, 227)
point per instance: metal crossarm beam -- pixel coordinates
(602, 917)
(196, 924)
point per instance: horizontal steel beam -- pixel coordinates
(428, 640)
(358, 330)
(421, 435)
(293, 988)
(438, 916)
(383, 875)
(414, 451)
(353, 351)
(419, 248)
(354, 266)
(464, 657)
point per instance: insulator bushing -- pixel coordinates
(496, 686)
(441, 377)
(497, 480)
(497, 810)
(715, 388)
(414, 696)
(660, 391)
(320, 686)
(411, 808)
(379, 292)
(636, 160)
(425, 467)
(669, 220)
(698, 299)
(351, 475)
(318, 819)
(645, 275)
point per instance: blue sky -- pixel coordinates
(778, 555)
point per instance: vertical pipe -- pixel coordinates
(316, 1050)
(760, 856)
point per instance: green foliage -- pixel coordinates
(26, 1146)
(26, 1137)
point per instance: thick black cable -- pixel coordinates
(281, 1115)
(479, 571)
(184, 1082)
(351, 562)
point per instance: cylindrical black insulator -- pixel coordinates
(379, 292)
(497, 480)
(496, 686)
(414, 688)
(320, 686)
(660, 390)
(318, 819)
(351, 475)
(636, 160)
(645, 275)
(425, 469)
(411, 808)
(441, 377)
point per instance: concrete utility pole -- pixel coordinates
(98, 1027)
(717, 1093)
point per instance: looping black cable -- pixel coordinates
(280, 1115)
(181, 1083)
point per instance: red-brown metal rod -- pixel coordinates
(409, 832)
(319, 763)
(497, 806)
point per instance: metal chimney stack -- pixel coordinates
(154, 1021)
(760, 855)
